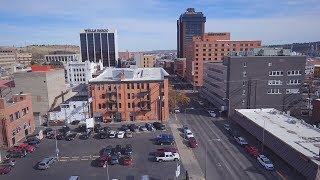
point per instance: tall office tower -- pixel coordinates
(96, 44)
(189, 24)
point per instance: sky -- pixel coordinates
(151, 24)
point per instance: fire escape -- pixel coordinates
(111, 103)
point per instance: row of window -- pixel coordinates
(18, 129)
(77, 69)
(209, 59)
(78, 79)
(290, 82)
(204, 54)
(130, 105)
(79, 74)
(223, 45)
(288, 91)
(289, 73)
(17, 115)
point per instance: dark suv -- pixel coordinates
(17, 154)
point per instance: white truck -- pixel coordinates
(168, 156)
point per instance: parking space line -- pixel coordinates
(95, 156)
(63, 160)
(84, 159)
(75, 157)
(65, 157)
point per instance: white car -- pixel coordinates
(120, 134)
(240, 140)
(265, 162)
(112, 134)
(212, 114)
(188, 134)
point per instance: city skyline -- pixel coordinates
(151, 24)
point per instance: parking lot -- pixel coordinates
(76, 157)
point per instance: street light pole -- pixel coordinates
(206, 152)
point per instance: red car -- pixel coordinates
(102, 160)
(14, 148)
(27, 147)
(167, 149)
(127, 161)
(5, 169)
(193, 142)
(252, 150)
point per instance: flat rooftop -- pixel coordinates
(294, 132)
(131, 74)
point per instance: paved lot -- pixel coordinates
(225, 158)
(76, 158)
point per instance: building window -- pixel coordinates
(275, 73)
(244, 73)
(103, 106)
(269, 64)
(197, 45)
(292, 91)
(204, 59)
(245, 64)
(138, 85)
(74, 106)
(119, 105)
(97, 85)
(119, 96)
(274, 82)
(243, 102)
(133, 105)
(128, 96)
(17, 115)
(103, 96)
(142, 85)
(204, 45)
(204, 54)
(24, 111)
(132, 85)
(222, 54)
(204, 49)
(294, 73)
(99, 105)
(129, 105)
(243, 83)
(294, 82)
(196, 54)
(243, 92)
(128, 86)
(11, 117)
(274, 91)
(132, 96)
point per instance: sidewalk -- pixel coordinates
(187, 156)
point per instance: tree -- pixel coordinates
(177, 99)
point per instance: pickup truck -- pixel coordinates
(168, 156)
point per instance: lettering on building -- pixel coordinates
(96, 30)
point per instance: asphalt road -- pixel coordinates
(76, 158)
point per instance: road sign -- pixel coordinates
(178, 171)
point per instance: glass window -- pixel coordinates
(129, 105)
(119, 105)
(128, 95)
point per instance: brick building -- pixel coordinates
(121, 94)
(211, 47)
(17, 119)
(180, 67)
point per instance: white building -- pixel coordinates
(81, 72)
(75, 108)
(62, 59)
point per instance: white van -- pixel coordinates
(74, 178)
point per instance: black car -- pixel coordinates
(65, 129)
(114, 160)
(60, 137)
(17, 154)
(117, 150)
(165, 141)
(34, 143)
(103, 135)
(107, 129)
(33, 139)
(47, 131)
(70, 137)
(127, 150)
(84, 136)
(132, 127)
(159, 126)
(51, 136)
(124, 128)
(107, 151)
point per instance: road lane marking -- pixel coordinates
(95, 156)
(65, 157)
(84, 159)
(75, 157)
(86, 156)
(63, 160)
(282, 176)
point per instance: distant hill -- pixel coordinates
(308, 48)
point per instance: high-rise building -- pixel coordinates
(190, 23)
(99, 44)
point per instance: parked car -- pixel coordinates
(27, 147)
(117, 150)
(84, 136)
(70, 137)
(159, 126)
(127, 160)
(65, 129)
(107, 129)
(60, 136)
(252, 150)
(8, 162)
(74, 178)
(150, 127)
(129, 134)
(226, 127)
(188, 134)
(168, 156)
(127, 150)
(165, 141)
(98, 128)
(14, 148)
(34, 143)
(124, 128)
(75, 122)
(184, 129)
(17, 154)
(102, 160)
(265, 162)
(103, 135)
(107, 151)
(193, 142)
(212, 113)
(46, 163)
(5, 169)
(112, 134)
(120, 134)
(132, 127)
(33, 139)
(143, 128)
(51, 136)
(114, 160)
(240, 140)
(48, 131)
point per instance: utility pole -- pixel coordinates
(255, 94)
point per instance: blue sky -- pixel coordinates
(151, 24)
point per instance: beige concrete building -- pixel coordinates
(47, 87)
(144, 60)
(24, 58)
(7, 61)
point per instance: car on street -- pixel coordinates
(5, 169)
(188, 134)
(176, 110)
(265, 162)
(150, 127)
(114, 160)
(132, 127)
(252, 150)
(33, 139)
(112, 134)
(46, 163)
(193, 142)
(143, 128)
(27, 147)
(117, 150)
(168, 156)
(120, 134)
(65, 129)
(107, 151)
(212, 113)
(227, 127)
(127, 150)
(124, 128)
(128, 134)
(240, 140)
(127, 160)
(70, 137)
(159, 126)
(103, 135)
(8, 162)
(17, 154)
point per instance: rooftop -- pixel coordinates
(137, 74)
(294, 132)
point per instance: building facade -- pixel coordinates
(212, 47)
(144, 60)
(62, 59)
(24, 58)
(47, 87)
(122, 94)
(256, 82)
(99, 44)
(8, 61)
(81, 72)
(126, 55)
(180, 67)
(189, 24)
(17, 119)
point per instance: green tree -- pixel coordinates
(177, 99)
